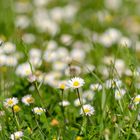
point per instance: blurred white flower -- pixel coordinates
(77, 102)
(34, 52)
(17, 135)
(59, 66)
(38, 110)
(113, 83)
(78, 54)
(69, 12)
(23, 7)
(96, 87)
(66, 39)
(109, 37)
(51, 45)
(64, 103)
(120, 66)
(88, 95)
(63, 53)
(36, 62)
(136, 99)
(113, 4)
(11, 61)
(2, 59)
(9, 47)
(27, 100)
(119, 93)
(23, 69)
(40, 3)
(22, 22)
(31, 78)
(57, 14)
(125, 42)
(28, 38)
(50, 56)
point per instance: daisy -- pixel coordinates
(27, 100)
(31, 78)
(76, 82)
(113, 83)
(96, 87)
(10, 102)
(62, 85)
(64, 103)
(88, 110)
(88, 95)
(38, 110)
(119, 94)
(17, 135)
(77, 102)
(136, 99)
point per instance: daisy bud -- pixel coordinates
(16, 108)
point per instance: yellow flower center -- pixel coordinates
(118, 94)
(86, 110)
(30, 100)
(38, 111)
(76, 83)
(78, 138)
(17, 137)
(62, 86)
(113, 84)
(10, 102)
(137, 99)
(27, 72)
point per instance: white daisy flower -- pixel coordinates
(31, 78)
(38, 110)
(88, 95)
(24, 70)
(88, 110)
(27, 100)
(76, 82)
(9, 47)
(17, 135)
(119, 94)
(10, 102)
(64, 103)
(96, 87)
(113, 83)
(62, 85)
(77, 102)
(136, 99)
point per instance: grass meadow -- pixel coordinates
(69, 70)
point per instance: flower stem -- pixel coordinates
(78, 93)
(62, 108)
(16, 120)
(41, 100)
